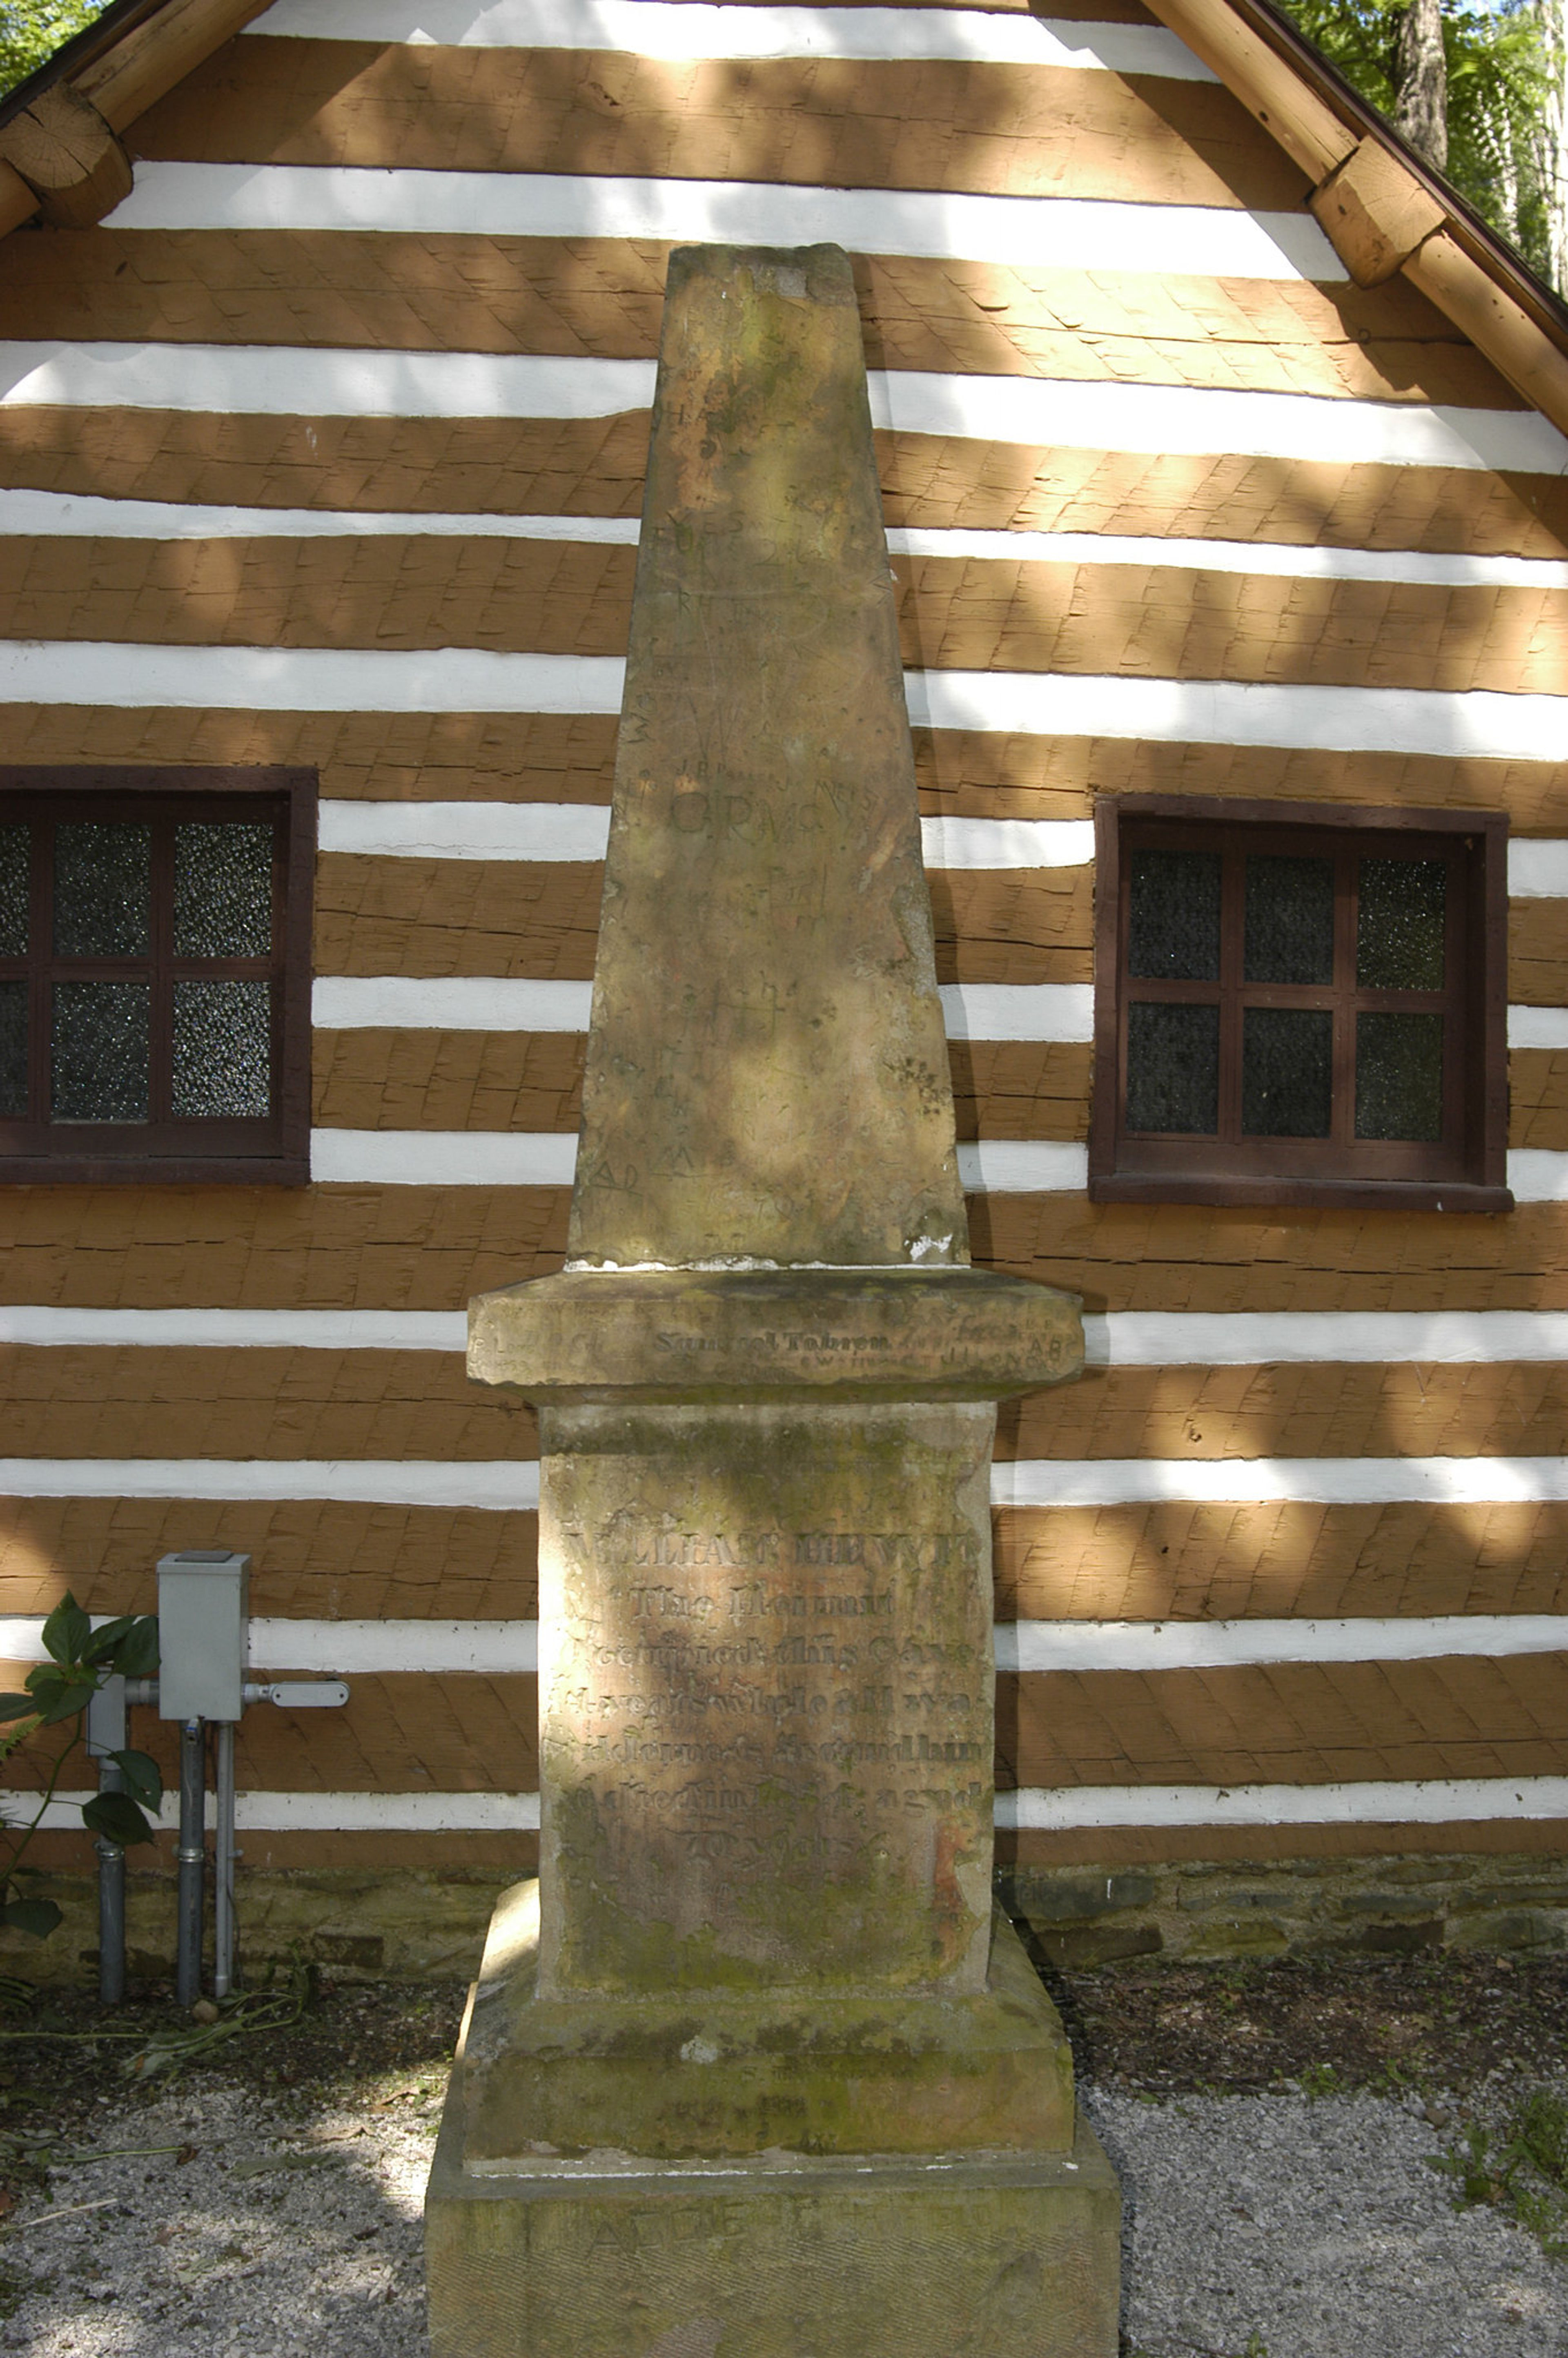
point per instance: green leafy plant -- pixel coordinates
(80, 1659)
(1317, 2081)
(1477, 2170)
(1525, 2173)
(32, 31)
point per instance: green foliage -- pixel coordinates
(1499, 71)
(1525, 2172)
(80, 1661)
(32, 31)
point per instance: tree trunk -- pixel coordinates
(1551, 142)
(1421, 83)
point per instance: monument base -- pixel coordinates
(771, 2254)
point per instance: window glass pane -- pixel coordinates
(1174, 929)
(101, 1051)
(102, 890)
(1172, 1068)
(1290, 922)
(16, 842)
(222, 890)
(1399, 931)
(222, 1050)
(1399, 1076)
(1287, 1072)
(13, 1048)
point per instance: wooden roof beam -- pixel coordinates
(61, 155)
(1378, 212)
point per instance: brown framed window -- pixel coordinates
(1299, 1003)
(154, 974)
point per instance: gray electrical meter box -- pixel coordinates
(203, 1625)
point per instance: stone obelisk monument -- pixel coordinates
(753, 2070)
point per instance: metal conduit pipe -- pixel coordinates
(106, 1736)
(111, 1900)
(223, 1867)
(192, 1854)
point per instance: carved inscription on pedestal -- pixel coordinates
(767, 1737)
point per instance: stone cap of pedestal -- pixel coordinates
(649, 1336)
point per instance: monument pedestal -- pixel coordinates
(682, 2179)
(758, 2073)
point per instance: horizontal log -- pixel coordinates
(594, 467)
(310, 1559)
(1180, 1560)
(447, 1081)
(498, 1859)
(1311, 1410)
(418, 1247)
(818, 122)
(933, 478)
(538, 597)
(1538, 954)
(1167, 622)
(1018, 926)
(1021, 1089)
(399, 292)
(570, 466)
(1097, 1849)
(397, 1734)
(1218, 1257)
(533, 1081)
(422, 1248)
(987, 774)
(1293, 1722)
(257, 1404)
(480, 757)
(315, 1560)
(260, 1401)
(1538, 1099)
(390, 756)
(560, 597)
(456, 916)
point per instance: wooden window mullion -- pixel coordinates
(160, 973)
(1342, 1119)
(1456, 1006)
(40, 996)
(1232, 923)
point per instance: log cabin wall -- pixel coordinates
(325, 449)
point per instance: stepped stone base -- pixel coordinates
(770, 2254)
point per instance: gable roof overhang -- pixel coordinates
(1382, 207)
(60, 152)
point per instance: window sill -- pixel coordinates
(1346, 1194)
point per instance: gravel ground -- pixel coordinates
(282, 2209)
(266, 2229)
(1272, 2225)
